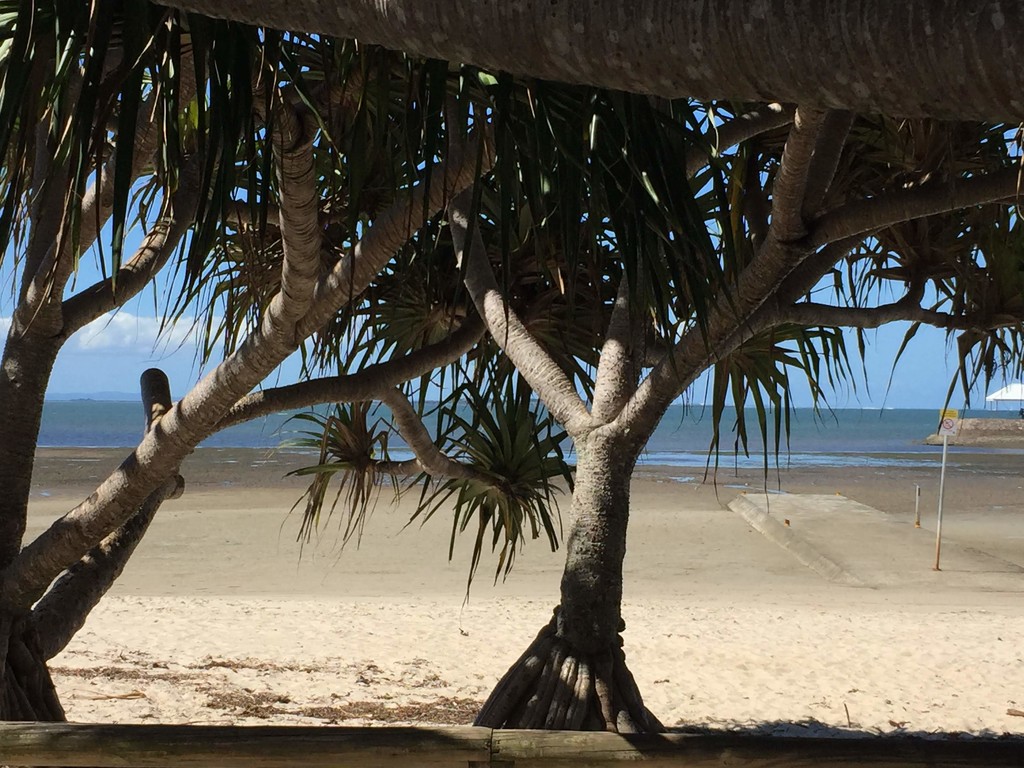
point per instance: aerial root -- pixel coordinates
(28, 692)
(555, 687)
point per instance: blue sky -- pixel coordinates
(110, 354)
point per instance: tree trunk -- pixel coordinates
(574, 674)
(956, 59)
(24, 375)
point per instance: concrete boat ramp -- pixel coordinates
(846, 542)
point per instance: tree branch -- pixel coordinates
(429, 457)
(738, 130)
(530, 358)
(196, 416)
(782, 251)
(870, 56)
(827, 152)
(157, 247)
(618, 368)
(299, 213)
(238, 214)
(774, 265)
(47, 274)
(62, 611)
(802, 279)
(865, 216)
(906, 309)
(365, 384)
(789, 191)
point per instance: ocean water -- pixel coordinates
(837, 438)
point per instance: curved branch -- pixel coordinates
(738, 130)
(365, 384)
(239, 215)
(157, 247)
(829, 149)
(62, 611)
(802, 279)
(906, 309)
(299, 213)
(865, 216)
(530, 358)
(790, 187)
(428, 456)
(196, 416)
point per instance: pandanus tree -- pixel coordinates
(116, 114)
(562, 259)
(838, 222)
(818, 222)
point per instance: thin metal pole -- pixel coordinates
(917, 505)
(942, 486)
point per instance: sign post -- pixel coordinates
(949, 425)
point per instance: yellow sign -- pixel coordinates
(949, 422)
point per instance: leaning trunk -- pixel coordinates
(26, 690)
(574, 675)
(30, 638)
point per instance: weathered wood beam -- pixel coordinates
(163, 746)
(198, 746)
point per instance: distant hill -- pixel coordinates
(118, 396)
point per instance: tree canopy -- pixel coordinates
(558, 259)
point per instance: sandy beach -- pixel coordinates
(221, 616)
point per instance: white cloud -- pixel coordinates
(5, 326)
(126, 331)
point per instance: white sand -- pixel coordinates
(217, 621)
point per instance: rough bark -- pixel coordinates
(574, 675)
(62, 611)
(29, 639)
(530, 358)
(24, 376)
(364, 384)
(789, 190)
(953, 59)
(26, 690)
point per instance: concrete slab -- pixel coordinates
(850, 543)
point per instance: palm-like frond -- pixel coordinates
(351, 450)
(760, 373)
(516, 451)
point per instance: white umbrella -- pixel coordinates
(1014, 392)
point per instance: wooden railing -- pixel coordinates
(190, 746)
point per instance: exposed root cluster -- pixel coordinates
(28, 692)
(553, 686)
